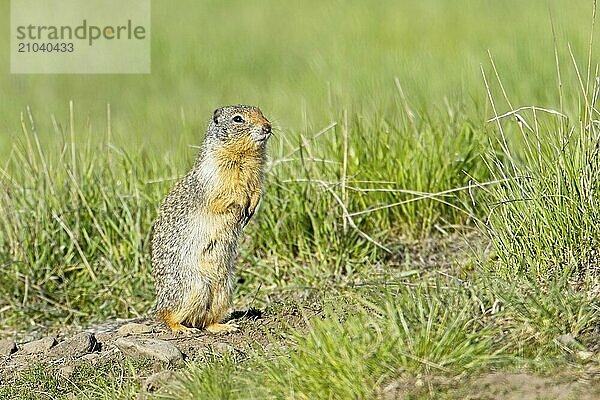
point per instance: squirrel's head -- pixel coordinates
(240, 122)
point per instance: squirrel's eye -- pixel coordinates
(238, 119)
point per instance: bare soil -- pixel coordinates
(258, 329)
(497, 385)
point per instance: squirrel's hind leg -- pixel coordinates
(176, 326)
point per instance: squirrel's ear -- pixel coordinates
(216, 115)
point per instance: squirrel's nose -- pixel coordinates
(266, 129)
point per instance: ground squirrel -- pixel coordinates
(195, 237)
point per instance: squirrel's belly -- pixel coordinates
(211, 244)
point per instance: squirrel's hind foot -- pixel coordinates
(183, 330)
(223, 328)
(176, 326)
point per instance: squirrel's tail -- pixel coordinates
(112, 326)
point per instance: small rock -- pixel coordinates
(134, 328)
(7, 347)
(570, 342)
(105, 337)
(157, 380)
(66, 371)
(566, 340)
(584, 355)
(39, 346)
(76, 346)
(221, 347)
(153, 349)
(91, 357)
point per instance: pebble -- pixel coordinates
(76, 346)
(584, 355)
(66, 371)
(153, 349)
(157, 380)
(220, 347)
(567, 340)
(7, 347)
(39, 346)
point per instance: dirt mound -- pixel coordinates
(147, 341)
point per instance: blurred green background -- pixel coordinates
(302, 63)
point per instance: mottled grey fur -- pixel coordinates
(195, 237)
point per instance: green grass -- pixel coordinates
(437, 330)
(303, 64)
(382, 141)
(409, 331)
(106, 381)
(544, 218)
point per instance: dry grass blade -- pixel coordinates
(73, 237)
(424, 196)
(345, 214)
(532, 108)
(315, 136)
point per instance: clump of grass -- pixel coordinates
(543, 216)
(73, 232)
(352, 351)
(215, 377)
(534, 317)
(351, 194)
(103, 381)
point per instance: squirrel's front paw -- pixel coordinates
(223, 328)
